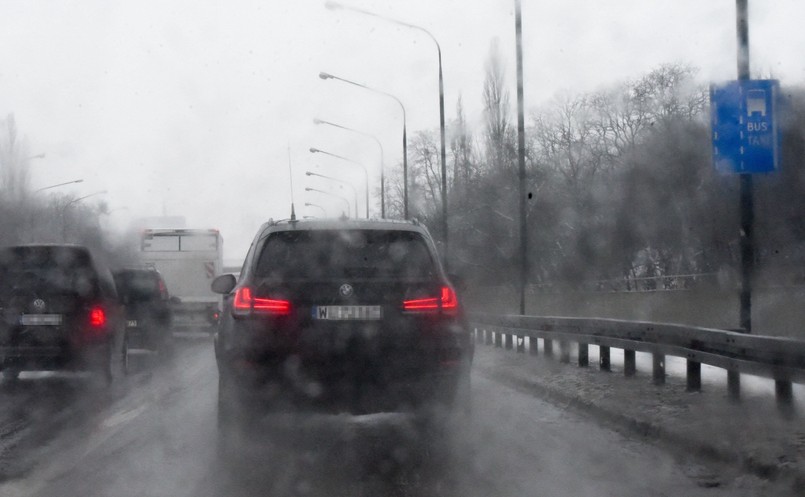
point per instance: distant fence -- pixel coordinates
(780, 359)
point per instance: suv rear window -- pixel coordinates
(49, 269)
(336, 254)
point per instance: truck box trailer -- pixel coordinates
(188, 259)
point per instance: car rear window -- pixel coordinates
(138, 285)
(47, 269)
(335, 254)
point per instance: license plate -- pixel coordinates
(131, 323)
(347, 312)
(40, 319)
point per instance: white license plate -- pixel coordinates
(131, 323)
(348, 312)
(40, 319)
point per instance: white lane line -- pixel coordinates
(122, 417)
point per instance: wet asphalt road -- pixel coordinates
(155, 434)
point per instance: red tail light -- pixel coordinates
(447, 302)
(97, 317)
(245, 302)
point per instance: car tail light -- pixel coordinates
(246, 302)
(447, 302)
(97, 317)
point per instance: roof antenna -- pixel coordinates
(290, 171)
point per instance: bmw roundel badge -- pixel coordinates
(346, 290)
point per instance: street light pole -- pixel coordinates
(354, 190)
(349, 212)
(365, 175)
(518, 28)
(79, 199)
(382, 162)
(325, 76)
(68, 204)
(60, 184)
(323, 210)
(338, 6)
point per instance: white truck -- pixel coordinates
(188, 260)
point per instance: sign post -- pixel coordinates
(745, 141)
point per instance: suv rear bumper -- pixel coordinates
(338, 386)
(54, 358)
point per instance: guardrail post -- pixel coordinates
(658, 370)
(548, 346)
(629, 364)
(584, 355)
(498, 339)
(734, 385)
(488, 336)
(603, 358)
(479, 336)
(533, 345)
(694, 376)
(785, 394)
(564, 352)
(509, 341)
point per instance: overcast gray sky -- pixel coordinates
(188, 107)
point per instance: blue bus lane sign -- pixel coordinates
(744, 128)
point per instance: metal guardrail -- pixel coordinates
(780, 359)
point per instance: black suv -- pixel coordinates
(353, 315)
(147, 309)
(59, 311)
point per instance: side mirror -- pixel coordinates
(224, 284)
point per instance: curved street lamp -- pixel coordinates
(342, 182)
(349, 212)
(365, 174)
(338, 6)
(325, 76)
(79, 199)
(382, 162)
(59, 184)
(68, 204)
(323, 210)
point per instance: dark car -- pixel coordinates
(147, 306)
(356, 316)
(60, 311)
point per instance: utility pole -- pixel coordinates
(518, 28)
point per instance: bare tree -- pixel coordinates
(13, 161)
(498, 131)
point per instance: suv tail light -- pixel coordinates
(97, 319)
(245, 302)
(447, 303)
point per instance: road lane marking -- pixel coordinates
(122, 417)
